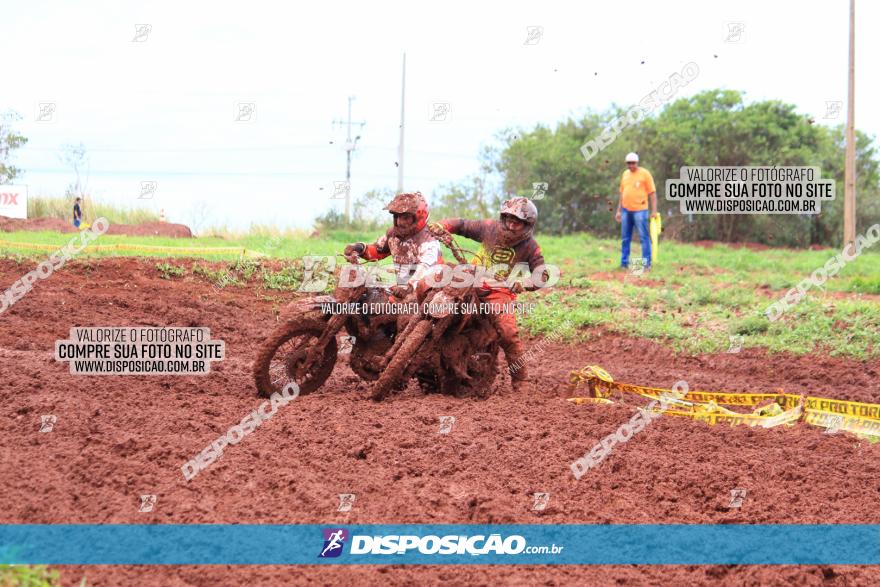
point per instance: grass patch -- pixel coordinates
(29, 576)
(167, 270)
(288, 278)
(752, 325)
(868, 285)
(694, 298)
(219, 277)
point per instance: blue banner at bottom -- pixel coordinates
(505, 544)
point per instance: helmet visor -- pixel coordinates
(512, 223)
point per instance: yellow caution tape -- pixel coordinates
(838, 422)
(38, 246)
(735, 399)
(844, 408)
(130, 247)
(161, 249)
(589, 372)
(734, 419)
(589, 400)
(783, 408)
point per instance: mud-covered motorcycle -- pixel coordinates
(303, 348)
(446, 351)
(449, 346)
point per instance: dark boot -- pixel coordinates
(505, 325)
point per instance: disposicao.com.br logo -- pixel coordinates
(480, 544)
(334, 540)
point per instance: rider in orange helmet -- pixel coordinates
(408, 241)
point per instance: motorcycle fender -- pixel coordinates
(311, 307)
(316, 301)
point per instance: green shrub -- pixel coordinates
(28, 576)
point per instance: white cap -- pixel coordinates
(632, 157)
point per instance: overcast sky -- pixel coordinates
(162, 108)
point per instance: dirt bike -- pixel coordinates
(449, 353)
(304, 349)
(447, 350)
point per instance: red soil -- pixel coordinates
(751, 246)
(118, 437)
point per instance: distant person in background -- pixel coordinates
(636, 189)
(77, 213)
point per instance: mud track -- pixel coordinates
(119, 437)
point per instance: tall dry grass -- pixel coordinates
(43, 207)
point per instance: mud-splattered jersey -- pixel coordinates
(488, 233)
(421, 250)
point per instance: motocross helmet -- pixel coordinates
(409, 203)
(522, 209)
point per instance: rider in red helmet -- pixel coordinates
(408, 241)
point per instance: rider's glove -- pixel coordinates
(355, 248)
(440, 233)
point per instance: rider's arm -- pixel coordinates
(377, 250)
(472, 229)
(536, 259)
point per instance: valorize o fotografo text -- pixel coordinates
(750, 190)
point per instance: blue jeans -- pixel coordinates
(638, 219)
(77, 222)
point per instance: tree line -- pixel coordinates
(712, 128)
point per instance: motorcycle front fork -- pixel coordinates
(334, 325)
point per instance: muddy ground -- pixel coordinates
(119, 437)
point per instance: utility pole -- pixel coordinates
(400, 146)
(849, 188)
(349, 147)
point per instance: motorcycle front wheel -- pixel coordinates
(280, 361)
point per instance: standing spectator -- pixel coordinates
(636, 188)
(77, 212)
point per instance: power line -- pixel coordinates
(349, 148)
(154, 173)
(449, 154)
(184, 150)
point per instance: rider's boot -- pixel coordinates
(505, 325)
